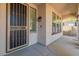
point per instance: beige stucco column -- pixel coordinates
(42, 24)
(2, 28)
(78, 24)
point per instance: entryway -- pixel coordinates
(21, 26)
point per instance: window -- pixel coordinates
(32, 19)
(56, 24)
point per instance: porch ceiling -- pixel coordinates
(65, 9)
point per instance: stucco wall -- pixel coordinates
(2, 29)
(45, 36)
(42, 24)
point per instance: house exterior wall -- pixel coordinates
(45, 36)
(49, 37)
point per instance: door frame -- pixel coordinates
(31, 33)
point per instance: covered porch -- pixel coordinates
(38, 29)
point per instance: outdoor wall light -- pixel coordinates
(39, 19)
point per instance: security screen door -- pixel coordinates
(17, 26)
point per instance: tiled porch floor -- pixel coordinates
(64, 46)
